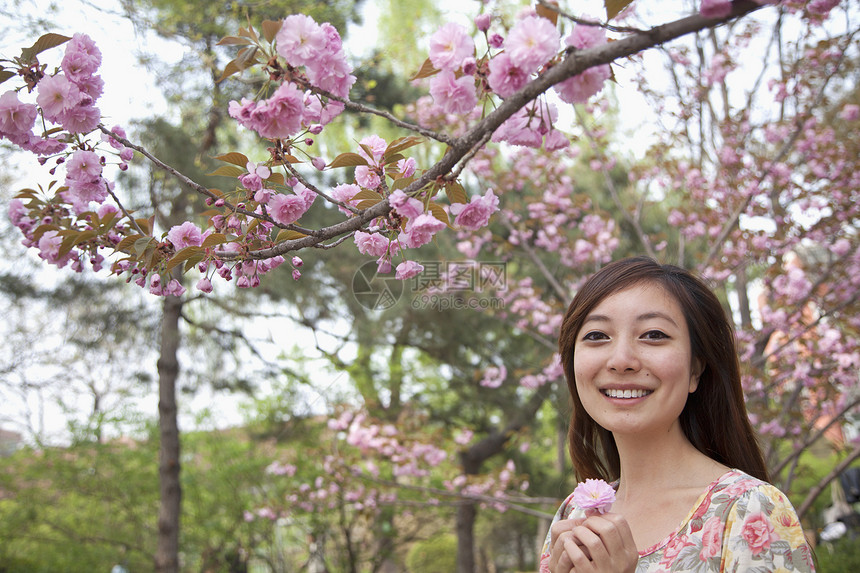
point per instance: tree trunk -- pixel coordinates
(466, 514)
(167, 551)
(471, 461)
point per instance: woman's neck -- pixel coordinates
(662, 464)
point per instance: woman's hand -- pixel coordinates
(598, 543)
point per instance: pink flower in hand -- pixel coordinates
(594, 494)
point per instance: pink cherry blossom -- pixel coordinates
(82, 58)
(80, 118)
(408, 269)
(253, 180)
(16, 117)
(372, 244)
(185, 235)
(204, 285)
(56, 94)
(404, 205)
(477, 212)
(280, 116)
(84, 165)
(532, 42)
(582, 86)
(300, 39)
(850, 112)
(482, 22)
(594, 494)
(583, 36)
(452, 94)
(345, 193)
(367, 177)
(494, 376)
(407, 166)
(420, 230)
(372, 148)
(505, 78)
(286, 208)
(449, 46)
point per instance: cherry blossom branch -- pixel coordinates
(123, 209)
(560, 292)
(575, 62)
(816, 436)
(364, 108)
(194, 186)
(587, 22)
(799, 122)
(613, 190)
(467, 496)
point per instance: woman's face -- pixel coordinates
(633, 363)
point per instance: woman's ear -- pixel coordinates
(695, 372)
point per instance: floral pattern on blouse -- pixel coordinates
(739, 524)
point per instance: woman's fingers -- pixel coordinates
(596, 544)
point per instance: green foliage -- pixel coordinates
(436, 555)
(840, 556)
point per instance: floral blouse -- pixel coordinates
(739, 524)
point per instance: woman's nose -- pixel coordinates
(623, 357)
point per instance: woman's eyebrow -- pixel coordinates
(640, 318)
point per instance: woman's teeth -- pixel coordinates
(612, 393)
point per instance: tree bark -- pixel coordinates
(471, 461)
(167, 551)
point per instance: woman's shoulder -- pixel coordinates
(736, 484)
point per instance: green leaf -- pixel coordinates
(145, 225)
(438, 212)
(232, 41)
(614, 7)
(230, 69)
(228, 171)
(402, 144)
(287, 235)
(141, 245)
(246, 57)
(402, 183)
(546, 12)
(183, 255)
(347, 160)
(192, 261)
(367, 203)
(127, 242)
(271, 29)
(366, 194)
(277, 179)
(426, 71)
(233, 157)
(45, 42)
(214, 239)
(456, 193)
(42, 229)
(5, 75)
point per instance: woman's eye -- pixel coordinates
(594, 335)
(655, 335)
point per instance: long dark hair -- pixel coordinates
(714, 418)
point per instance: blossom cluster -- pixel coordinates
(533, 43)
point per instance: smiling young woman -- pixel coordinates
(658, 410)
